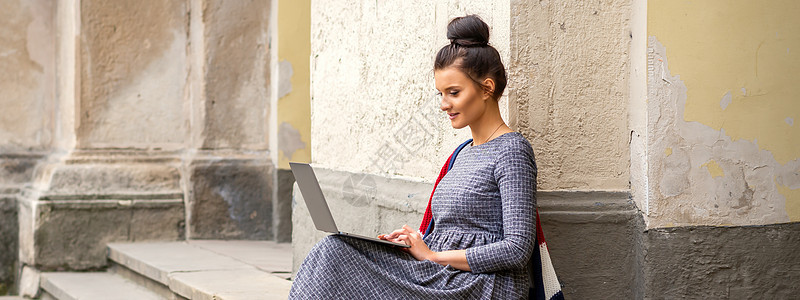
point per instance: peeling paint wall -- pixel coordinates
(722, 100)
(294, 95)
(374, 108)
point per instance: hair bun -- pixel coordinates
(468, 31)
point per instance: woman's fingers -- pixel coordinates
(395, 235)
(398, 232)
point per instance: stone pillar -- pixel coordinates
(113, 173)
(27, 84)
(229, 169)
(568, 75)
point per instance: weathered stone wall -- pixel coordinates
(569, 90)
(27, 83)
(716, 262)
(720, 149)
(231, 199)
(27, 89)
(9, 241)
(372, 88)
(723, 147)
(230, 178)
(133, 74)
(132, 121)
(237, 74)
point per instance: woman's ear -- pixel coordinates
(488, 87)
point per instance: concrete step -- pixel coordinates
(93, 285)
(207, 269)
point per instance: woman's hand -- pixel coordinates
(409, 236)
(419, 250)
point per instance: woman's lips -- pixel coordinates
(452, 116)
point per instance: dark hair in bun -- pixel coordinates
(469, 51)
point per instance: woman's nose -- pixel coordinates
(445, 105)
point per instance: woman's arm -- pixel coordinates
(455, 258)
(515, 172)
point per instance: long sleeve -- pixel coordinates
(515, 173)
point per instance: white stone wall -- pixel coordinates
(374, 108)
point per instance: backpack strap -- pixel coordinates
(426, 226)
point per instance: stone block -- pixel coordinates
(231, 199)
(592, 239)
(78, 204)
(743, 262)
(29, 282)
(17, 168)
(9, 242)
(132, 73)
(81, 180)
(283, 206)
(72, 235)
(356, 67)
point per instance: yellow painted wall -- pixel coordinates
(750, 49)
(740, 63)
(294, 46)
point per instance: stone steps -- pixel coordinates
(93, 285)
(199, 269)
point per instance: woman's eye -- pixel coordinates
(454, 93)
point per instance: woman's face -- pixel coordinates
(462, 98)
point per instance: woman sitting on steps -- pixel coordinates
(483, 209)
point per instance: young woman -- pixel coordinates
(483, 208)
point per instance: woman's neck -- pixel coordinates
(490, 126)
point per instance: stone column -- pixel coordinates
(27, 84)
(229, 170)
(113, 173)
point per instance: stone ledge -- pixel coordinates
(112, 203)
(208, 269)
(94, 285)
(114, 196)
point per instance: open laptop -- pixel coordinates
(318, 207)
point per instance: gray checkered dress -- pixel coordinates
(484, 204)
